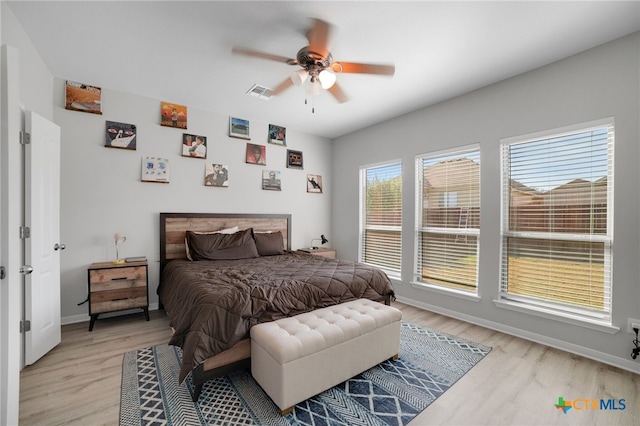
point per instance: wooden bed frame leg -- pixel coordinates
(199, 376)
(395, 357)
(196, 392)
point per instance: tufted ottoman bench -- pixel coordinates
(296, 358)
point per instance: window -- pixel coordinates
(381, 217)
(448, 218)
(557, 221)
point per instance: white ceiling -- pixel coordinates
(180, 52)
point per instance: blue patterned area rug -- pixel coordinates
(391, 393)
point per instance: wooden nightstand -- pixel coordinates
(321, 251)
(116, 287)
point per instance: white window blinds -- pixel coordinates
(557, 221)
(448, 218)
(381, 217)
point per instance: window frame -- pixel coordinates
(565, 312)
(395, 274)
(469, 293)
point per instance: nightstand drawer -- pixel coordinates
(119, 304)
(114, 275)
(124, 295)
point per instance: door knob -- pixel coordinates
(59, 247)
(26, 269)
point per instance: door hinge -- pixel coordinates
(25, 326)
(25, 138)
(25, 232)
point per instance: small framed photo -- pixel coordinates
(271, 180)
(294, 159)
(83, 97)
(155, 169)
(256, 154)
(216, 175)
(173, 115)
(194, 146)
(239, 128)
(277, 135)
(120, 135)
(314, 183)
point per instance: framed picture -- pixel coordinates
(173, 115)
(216, 175)
(271, 180)
(294, 159)
(277, 135)
(120, 135)
(194, 146)
(314, 183)
(82, 97)
(256, 154)
(155, 169)
(239, 128)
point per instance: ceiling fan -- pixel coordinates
(317, 65)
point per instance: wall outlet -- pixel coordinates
(631, 324)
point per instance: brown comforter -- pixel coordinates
(213, 304)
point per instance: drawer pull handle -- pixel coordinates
(116, 279)
(122, 298)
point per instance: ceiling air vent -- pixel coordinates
(260, 92)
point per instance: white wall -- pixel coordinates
(36, 82)
(102, 192)
(595, 84)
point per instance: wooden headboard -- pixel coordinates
(174, 226)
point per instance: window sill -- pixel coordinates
(395, 280)
(553, 315)
(447, 291)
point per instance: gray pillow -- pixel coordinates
(269, 243)
(239, 245)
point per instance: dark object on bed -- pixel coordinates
(212, 304)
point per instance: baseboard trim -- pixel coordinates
(604, 358)
(73, 319)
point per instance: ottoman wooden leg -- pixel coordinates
(286, 411)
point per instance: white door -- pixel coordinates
(42, 247)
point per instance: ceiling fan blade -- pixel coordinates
(318, 37)
(281, 87)
(337, 93)
(256, 54)
(353, 67)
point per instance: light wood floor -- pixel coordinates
(518, 383)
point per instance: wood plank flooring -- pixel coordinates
(518, 383)
(78, 382)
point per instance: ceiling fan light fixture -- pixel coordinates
(318, 70)
(327, 79)
(299, 77)
(315, 87)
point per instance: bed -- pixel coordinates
(220, 274)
